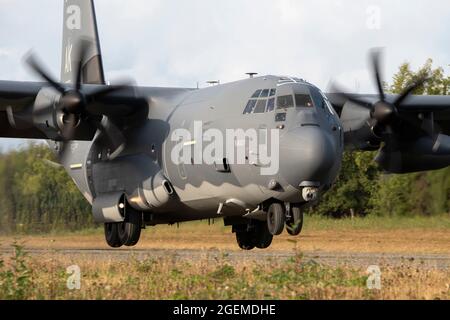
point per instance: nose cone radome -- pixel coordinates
(307, 154)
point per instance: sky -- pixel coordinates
(182, 43)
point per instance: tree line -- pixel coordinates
(38, 197)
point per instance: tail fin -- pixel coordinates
(80, 25)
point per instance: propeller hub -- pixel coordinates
(383, 112)
(73, 102)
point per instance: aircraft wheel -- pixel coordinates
(112, 235)
(275, 219)
(130, 230)
(263, 238)
(244, 240)
(295, 224)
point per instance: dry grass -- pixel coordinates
(168, 278)
(44, 276)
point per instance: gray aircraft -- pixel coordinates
(118, 142)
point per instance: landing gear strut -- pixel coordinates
(125, 233)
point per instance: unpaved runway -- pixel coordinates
(420, 261)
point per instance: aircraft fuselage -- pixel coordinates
(307, 154)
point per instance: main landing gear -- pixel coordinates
(255, 234)
(259, 234)
(126, 233)
(279, 215)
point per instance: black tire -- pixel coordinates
(275, 219)
(112, 235)
(263, 238)
(130, 230)
(244, 240)
(295, 224)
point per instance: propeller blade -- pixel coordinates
(389, 156)
(32, 61)
(81, 59)
(410, 90)
(376, 62)
(349, 97)
(70, 123)
(104, 91)
(20, 120)
(116, 140)
(52, 164)
(10, 115)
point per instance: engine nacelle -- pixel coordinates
(359, 132)
(424, 154)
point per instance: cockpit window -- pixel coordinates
(250, 106)
(318, 99)
(259, 103)
(303, 101)
(264, 93)
(270, 105)
(256, 94)
(260, 106)
(284, 102)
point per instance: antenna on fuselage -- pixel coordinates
(251, 74)
(213, 82)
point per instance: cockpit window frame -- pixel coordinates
(257, 94)
(265, 96)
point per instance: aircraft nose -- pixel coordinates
(308, 154)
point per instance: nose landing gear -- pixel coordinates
(258, 232)
(294, 223)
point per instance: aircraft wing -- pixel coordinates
(29, 109)
(412, 133)
(18, 96)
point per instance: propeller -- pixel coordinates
(385, 115)
(74, 103)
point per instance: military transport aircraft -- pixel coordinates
(117, 142)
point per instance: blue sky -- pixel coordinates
(180, 43)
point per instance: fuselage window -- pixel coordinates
(250, 106)
(303, 101)
(272, 92)
(284, 102)
(264, 93)
(271, 105)
(256, 94)
(260, 106)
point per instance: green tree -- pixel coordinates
(38, 197)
